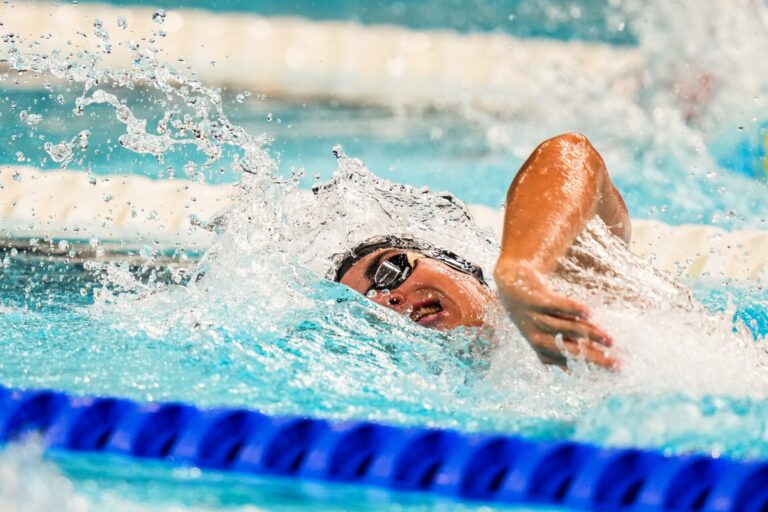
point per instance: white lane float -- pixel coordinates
(123, 213)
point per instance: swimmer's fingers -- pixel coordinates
(557, 305)
(545, 359)
(552, 352)
(571, 329)
(593, 353)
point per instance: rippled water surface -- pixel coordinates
(254, 323)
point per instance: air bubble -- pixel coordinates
(122, 22)
(371, 294)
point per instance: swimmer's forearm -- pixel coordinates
(561, 186)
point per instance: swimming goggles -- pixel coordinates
(395, 270)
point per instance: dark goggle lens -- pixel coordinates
(392, 273)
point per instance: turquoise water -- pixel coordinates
(261, 330)
(53, 339)
(120, 485)
(443, 150)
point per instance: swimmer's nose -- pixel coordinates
(394, 299)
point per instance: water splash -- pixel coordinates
(674, 125)
(257, 325)
(28, 484)
(192, 113)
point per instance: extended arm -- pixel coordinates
(561, 186)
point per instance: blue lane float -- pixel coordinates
(489, 468)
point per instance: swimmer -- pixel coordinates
(557, 191)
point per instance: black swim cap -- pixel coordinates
(405, 243)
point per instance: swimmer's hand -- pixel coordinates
(557, 191)
(542, 315)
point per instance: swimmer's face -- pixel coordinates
(434, 294)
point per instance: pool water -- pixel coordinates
(420, 147)
(119, 485)
(260, 328)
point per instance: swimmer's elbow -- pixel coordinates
(570, 138)
(573, 155)
(580, 147)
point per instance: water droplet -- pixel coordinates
(60, 153)
(158, 16)
(371, 294)
(338, 151)
(33, 119)
(122, 22)
(190, 169)
(20, 156)
(82, 139)
(269, 117)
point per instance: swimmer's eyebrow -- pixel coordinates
(370, 272)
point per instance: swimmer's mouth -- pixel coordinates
(426, 312)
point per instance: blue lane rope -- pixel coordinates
(490, 468)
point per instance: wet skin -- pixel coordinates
(434, 295)
(562, 185)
